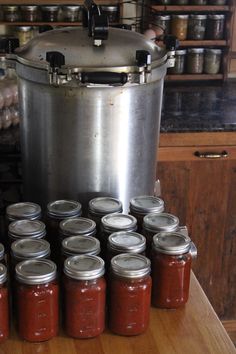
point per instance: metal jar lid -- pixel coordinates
(181, 52)
(3, 273)
(71, 7)
(24, 28)
(105, 205)
(147, 204)
(216, 17)
(127, 241)
(213, 51)
(76, 245)
(172, 243)
(77, 226)
(36, 271)
(30, 248)
(119, 222)
(50, 8)
(113, 8)
(25, 210)
(196, 50)
(182, 17)
(61, 209)
(29, 7)
(162, 17)
(198, 17)
(27, 228)
(160, 222)
(2, 251)
(11, 8)
(129, 265)
(84, 267)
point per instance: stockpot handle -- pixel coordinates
(193, 250)
(104, 78)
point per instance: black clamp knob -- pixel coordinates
(11, 44)
(100, 27)
(143, 58)
(171, 42)
(55, 59)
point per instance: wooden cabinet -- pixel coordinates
(202, 192)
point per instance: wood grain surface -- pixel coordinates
(194, 329)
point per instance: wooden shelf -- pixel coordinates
(199, 43)
(191, 8)
(192, 77)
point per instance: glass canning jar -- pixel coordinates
(71, 13)
(112, 12)
(197, 27)
(26, 210)
(4, 304)
(125, 242)
(31, 229)
(11, 13)
(2, 254)
(181, 2)
(195, 60)
(50, 13)
(215, 26)
(30, 13)
(77, 245)
(24, 34)
(130, 294)
(212, 61)
(112, 223)
(198, 2)
(101, 206)
(162, 21)
(143, 205)
(29, 249)
(180, 61)
(77, 226)
(37, 299)
(217, 2)
(179, 26)
(85, 296)
(172, 254)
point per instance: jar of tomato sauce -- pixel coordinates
(85, 296)
(2, 254)
(77, 226)
(130, 294)
(37, 299)
(172, 255)
(56, 212)
(125, 242)
(31, 229)
(154, 223)
(77, 245)
(112, 223)
(4, 304)
(101, 206)
(143, 205)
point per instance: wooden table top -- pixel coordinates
(194, 329)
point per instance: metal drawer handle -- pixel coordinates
(211, 155)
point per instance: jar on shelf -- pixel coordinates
(195, 60)
(31, 229)
(25, 210)
(101, 206)
(125, 242)
(112, 223)
(215, 26)
(130, 294)
(161, 24)
(11, 13)
(179, 26)
(71, 13)
(30, 13)
(4, 304)
(217, 2)
(24, 34)
(84, 296)
(164, 2)
(212, 61)
(197, 27)
(181, 2)
(112, 12)
(77, 226)
(29, 249)
(77, 245)
(143, 205)
(180, 61)
(37, 300)
(154, 223)
(198, 2)
(172, 254)
(50, 13)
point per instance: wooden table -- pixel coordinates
(194, 329)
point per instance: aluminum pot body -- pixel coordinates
(83, 142)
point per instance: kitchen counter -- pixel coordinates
(193, 329)
(199, 108)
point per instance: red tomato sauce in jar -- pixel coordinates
(171, 268)
(37, 300)
(85, 296)
(130, 294)
(4, 305)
